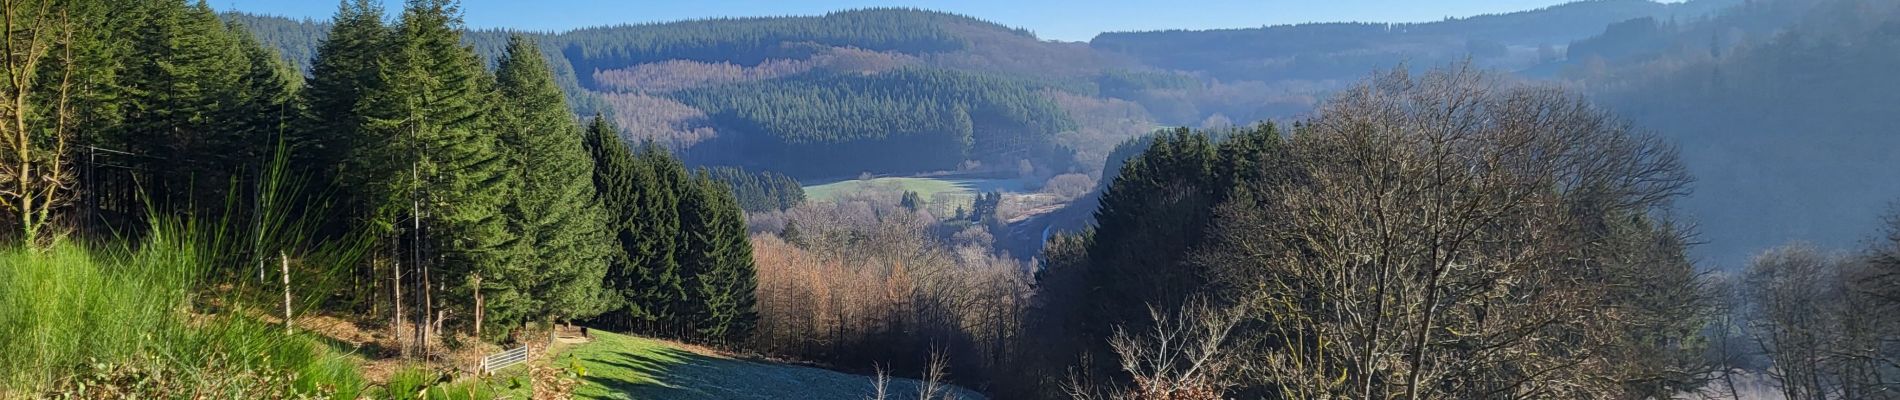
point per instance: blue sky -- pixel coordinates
(1074, 20)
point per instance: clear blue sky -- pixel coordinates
(1073, 20)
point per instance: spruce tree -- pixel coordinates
(617, 176)
(175, 103)
(636, 193)
(345, 67)
(1150, 217)
(718, 263)
(432, 156)
(263, 108)
(555, 208)
(666, 302)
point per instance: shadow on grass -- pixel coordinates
(671, 374)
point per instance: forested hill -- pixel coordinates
(1322, 51)
(921, 90)
(751, 41)
(1785, 118)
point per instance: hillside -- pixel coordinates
(924, 90)
(1334, 51)
(900, 91)
(628, 367)
(822, 86)
(1790, 135)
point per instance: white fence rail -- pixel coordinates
(504, 359)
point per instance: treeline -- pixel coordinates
(864, 283)
(901, 120)
(934, 119)
(750, 41)
(1129, 84)
(297, 40)
(681, 265)
(1368, 253)
(1812, 323)
(1320, 51)
(481, 203)
(491, 177)
(761, 190)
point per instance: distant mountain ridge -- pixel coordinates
(1345, 50)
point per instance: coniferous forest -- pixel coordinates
(468, 201)
(1604, 199)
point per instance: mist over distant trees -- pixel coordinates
(1787, 133)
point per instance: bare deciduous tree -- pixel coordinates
(868, 283)
(1180, 356)
(1821, 323)
(1455, 236)
(35, 102)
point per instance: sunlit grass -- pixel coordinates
(70, 314)
(626, 367)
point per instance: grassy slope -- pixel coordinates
(626, 367)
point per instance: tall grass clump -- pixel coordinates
(418, 382)
(66, 306)
(121, 322)
(173, 312)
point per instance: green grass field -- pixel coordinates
(929, 188)
(627, 367)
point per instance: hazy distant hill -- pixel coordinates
(1332, 51)
(1785, 114)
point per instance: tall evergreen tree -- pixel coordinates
(261, 111)
(718, 262)
(333, 122)
(1154, 213)
(345, 67)
(667, 303)
(432, 158)
(175, 102)
(555, 210)
(617, 176)
(641, 208)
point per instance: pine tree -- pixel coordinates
(432, 159)
(1153, 214)
(555, 209)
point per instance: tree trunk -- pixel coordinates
(479, 307)
(395, 292)
(428, 313)
(284, 261)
